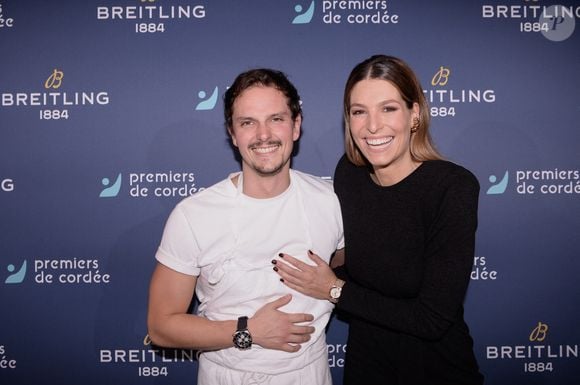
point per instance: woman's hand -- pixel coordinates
(314, 281)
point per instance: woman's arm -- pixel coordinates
(448, 262)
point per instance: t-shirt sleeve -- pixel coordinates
(341, 243)
(339, 224)
(341, 229)
(178, 249)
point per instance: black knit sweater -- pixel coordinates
(409, 253)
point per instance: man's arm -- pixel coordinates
(170, 294)
(170, 325)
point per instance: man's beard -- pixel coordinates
(262, 171)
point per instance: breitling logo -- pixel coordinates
(54, 81)
(53, 97)
(539, 333)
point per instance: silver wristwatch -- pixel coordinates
(336, 290)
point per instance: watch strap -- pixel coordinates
(242, 323)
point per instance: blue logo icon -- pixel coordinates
(499, 187)
(209, 103)
(111, 190)
(17, 277)
(303, 18)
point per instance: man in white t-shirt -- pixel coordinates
(221, 244)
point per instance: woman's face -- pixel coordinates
(380, 125)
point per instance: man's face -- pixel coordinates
(263, 130)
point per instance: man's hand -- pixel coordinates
(274, 329)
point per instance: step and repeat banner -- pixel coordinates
(111, 113)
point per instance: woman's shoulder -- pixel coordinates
(343, 162)
(344, 165)
(445, 172)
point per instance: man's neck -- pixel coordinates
(264, 187)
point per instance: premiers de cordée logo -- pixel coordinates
(556, 181)
(6, 362)
(5, 21)
(358, 12)
(67, 271)
(150, 184)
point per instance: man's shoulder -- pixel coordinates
(312, 183)
(219, 191)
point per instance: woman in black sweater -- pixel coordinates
(409, 223)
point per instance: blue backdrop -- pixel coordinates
(111, 113)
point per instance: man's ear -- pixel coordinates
(296, 129)
(232, 136)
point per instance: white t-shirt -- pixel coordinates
(228, 241)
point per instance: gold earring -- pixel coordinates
(415, 125)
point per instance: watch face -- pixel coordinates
(335, 292)
(242, 339)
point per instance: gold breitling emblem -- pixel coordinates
(54, 81)
(539, 333)
(441, 77)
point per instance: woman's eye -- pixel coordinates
(389, 108)
(357, 112)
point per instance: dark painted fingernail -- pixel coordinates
(281, 279)
(310, 252)
(274, 261)
(281, 255)
(275, 268)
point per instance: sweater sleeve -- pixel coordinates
(448, 260)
